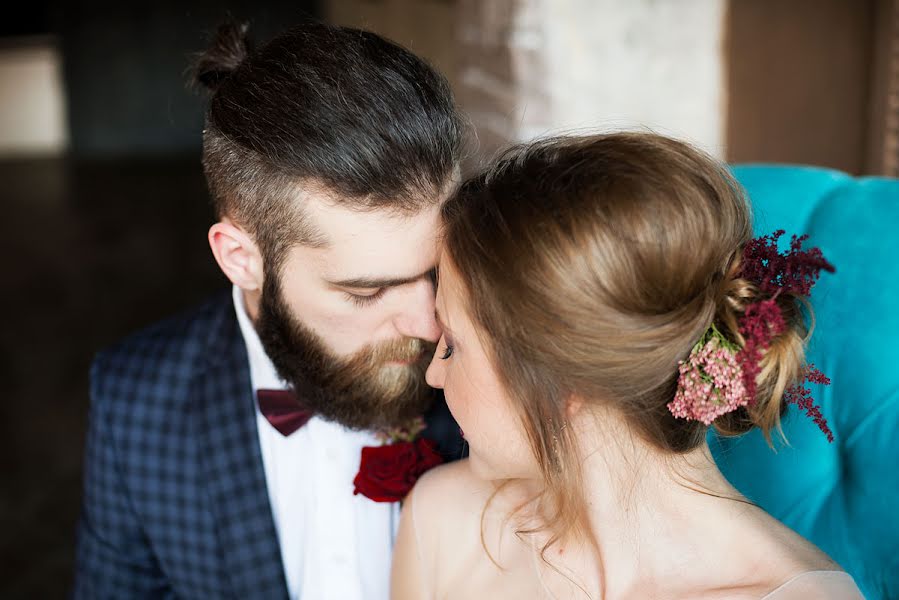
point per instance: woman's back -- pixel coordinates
(449, 512)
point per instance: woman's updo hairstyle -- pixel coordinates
(592, 267)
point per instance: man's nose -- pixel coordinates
(416, 317)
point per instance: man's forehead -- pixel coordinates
(374, 245)
(340, 223)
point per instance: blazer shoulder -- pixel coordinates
(164, 355)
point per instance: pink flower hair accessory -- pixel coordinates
(711, 380)
(718, 377)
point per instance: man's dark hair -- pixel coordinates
(325, 109)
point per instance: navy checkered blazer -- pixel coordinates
(175, 501)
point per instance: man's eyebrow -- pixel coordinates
(378, 282)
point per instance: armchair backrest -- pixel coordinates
(843, 496)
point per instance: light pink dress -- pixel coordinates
(823, 585)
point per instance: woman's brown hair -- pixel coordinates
(591, 267)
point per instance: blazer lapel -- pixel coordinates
(232, 461)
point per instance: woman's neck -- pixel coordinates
(655, 516)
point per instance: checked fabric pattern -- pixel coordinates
(175, 501)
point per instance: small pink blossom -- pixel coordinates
(710, 382)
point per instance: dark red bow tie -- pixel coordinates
(282, 409)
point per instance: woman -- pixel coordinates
(602, 306)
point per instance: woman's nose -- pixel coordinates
(434, 375)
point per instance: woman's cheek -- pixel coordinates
(457, 402)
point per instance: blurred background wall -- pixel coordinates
(804, 81)
(524, 68)
(109, 77)
(105, 209)
(32, 97)
(796, 81)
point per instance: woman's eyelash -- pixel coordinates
(447, 352)
(362, 301)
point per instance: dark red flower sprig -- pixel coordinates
(759, 324)
(801, 396)
(792, 272)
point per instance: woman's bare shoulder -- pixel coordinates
(451, 486)
(446, 505)
(791, 550)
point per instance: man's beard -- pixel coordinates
(362, 391)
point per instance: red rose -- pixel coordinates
(387, 473)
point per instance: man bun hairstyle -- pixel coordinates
(230, 47)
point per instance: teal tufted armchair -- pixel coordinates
(843, 496)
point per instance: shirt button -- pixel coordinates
(331, 453)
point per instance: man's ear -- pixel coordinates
(237, 255)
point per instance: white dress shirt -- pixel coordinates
(334, 545)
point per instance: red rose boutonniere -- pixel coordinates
(388, 472)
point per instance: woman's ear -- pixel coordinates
(237, 255)
(573, 406)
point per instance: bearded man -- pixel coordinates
(223, 444)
